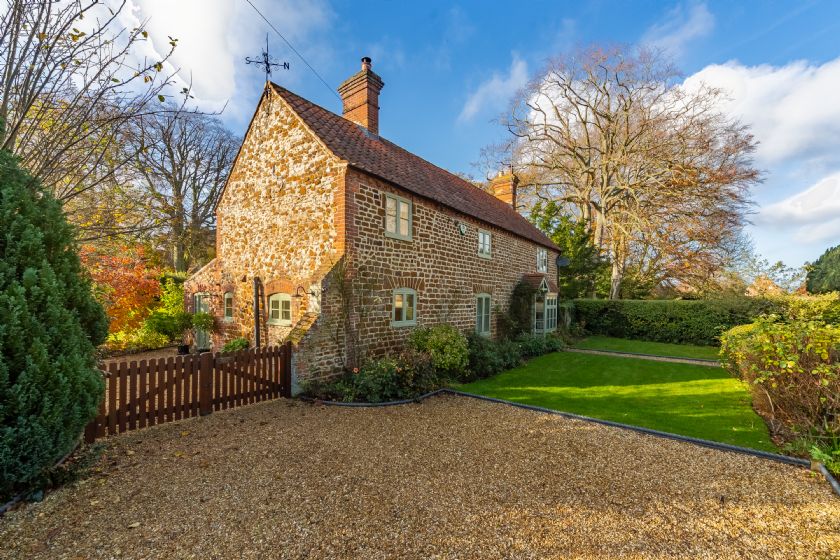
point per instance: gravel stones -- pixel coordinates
(451, 477)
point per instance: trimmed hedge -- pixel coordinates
(678, 321)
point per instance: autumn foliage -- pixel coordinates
(124, 282)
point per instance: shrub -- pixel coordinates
(823, 307)
(203, 321)
(485, 359)
(518, 318)
(236, 345)
(385, 379)
(677, 321)
(446, 346)
(171, 325)
(794, 370)
(49, 327)
(536, 345)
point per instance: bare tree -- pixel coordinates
(71, 83)
(657, 171)
(183, 160)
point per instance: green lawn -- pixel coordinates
(647, 347)
(697, 401)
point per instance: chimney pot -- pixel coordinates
(360, 94)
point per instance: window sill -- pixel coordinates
(397, 325)
(485, 256)
(279, 323)
(397, 236)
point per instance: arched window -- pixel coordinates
(228, 306)
(280, 309)
(404, 308)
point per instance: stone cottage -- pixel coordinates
(331, 235)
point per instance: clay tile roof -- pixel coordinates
(534, 279)
(377, 156)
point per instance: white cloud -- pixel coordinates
(793, 109)
(814, 213)
(215, 36)
(493, 93)
(681, 26)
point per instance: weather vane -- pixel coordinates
(266, 62)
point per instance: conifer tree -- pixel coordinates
(49, 327)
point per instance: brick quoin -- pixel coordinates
(309, 222)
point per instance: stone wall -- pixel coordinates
(440, 263)
(280, 219)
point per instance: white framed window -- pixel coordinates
(280, 309)
(228, 306)
(551, 312)
(482, 314)
(542, 260)
(404, 308)
(485, 240)
(398, 213)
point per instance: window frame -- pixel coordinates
(489, 253)
(398, 202)
(404, 292)
(225, 297)
(550, 312)
(483, 315)
(542, 259)
(280, 298)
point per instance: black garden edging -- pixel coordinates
(796, 461)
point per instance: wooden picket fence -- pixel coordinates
(149, 392)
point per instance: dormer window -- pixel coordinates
(397, 217)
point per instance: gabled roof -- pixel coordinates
(539, 280)
(377, 156)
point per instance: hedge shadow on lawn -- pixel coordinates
(696, 401)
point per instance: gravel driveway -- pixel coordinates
(452, 477)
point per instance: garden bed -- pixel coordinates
(449, 477)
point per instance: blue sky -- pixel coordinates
(450, 68)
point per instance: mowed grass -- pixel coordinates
(696, 401)
(647, 347)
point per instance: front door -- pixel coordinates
(202, 305)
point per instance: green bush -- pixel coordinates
(822, 307)
(203, 321)
(49, 327)
(171, 325)
(446, 346)
(678, 321)
(485, 358)
(236, 345)
(794, 370)
(532, 345)
(384, 379)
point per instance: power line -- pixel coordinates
(294, 50)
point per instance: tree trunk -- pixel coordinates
(615, 280)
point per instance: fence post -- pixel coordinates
(205, 383)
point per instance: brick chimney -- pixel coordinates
(503, 186)
(360, 93)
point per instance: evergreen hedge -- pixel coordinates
(49, 327)
(678, 321)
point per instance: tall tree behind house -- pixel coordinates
(71, 85)
(660, 176)
(183, 160)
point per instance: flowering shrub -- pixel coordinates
(794, 370)
(446, 346)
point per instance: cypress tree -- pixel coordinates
(49, 328)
